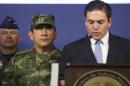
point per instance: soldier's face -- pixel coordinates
(97, 24)
(9, 38)
(43, 37)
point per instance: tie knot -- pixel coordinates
(98, 42)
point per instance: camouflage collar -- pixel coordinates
(54, 53)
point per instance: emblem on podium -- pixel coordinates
(102, 77)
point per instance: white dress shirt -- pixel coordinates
(104, 46)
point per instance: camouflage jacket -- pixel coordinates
(27, 68)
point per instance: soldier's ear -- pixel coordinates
(55, 35)
(30, 34)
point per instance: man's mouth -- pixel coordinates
(95, 33)
(8, 41)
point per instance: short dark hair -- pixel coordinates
(98, 5)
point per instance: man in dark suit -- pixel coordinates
(114, 49)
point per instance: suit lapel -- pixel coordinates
(113, 48)
(87, 50)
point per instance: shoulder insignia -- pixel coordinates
(22, 52)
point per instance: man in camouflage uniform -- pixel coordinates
(33, 67)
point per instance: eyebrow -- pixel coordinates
(95, 20)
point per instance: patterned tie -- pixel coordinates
(98, 52)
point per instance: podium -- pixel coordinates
(97, 75)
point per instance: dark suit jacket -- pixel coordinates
(81, 52)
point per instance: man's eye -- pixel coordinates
(13, 32)
(90, 22)
(3, 33)
(100, 22)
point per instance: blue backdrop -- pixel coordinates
(69, 20)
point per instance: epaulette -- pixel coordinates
(22, 52)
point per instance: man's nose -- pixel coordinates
(44, 31)
(95, 25)
(8, 34)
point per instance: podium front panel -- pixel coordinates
(97, 75)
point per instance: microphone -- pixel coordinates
(90, 36)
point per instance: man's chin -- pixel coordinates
(45, 45)
(96, 37)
